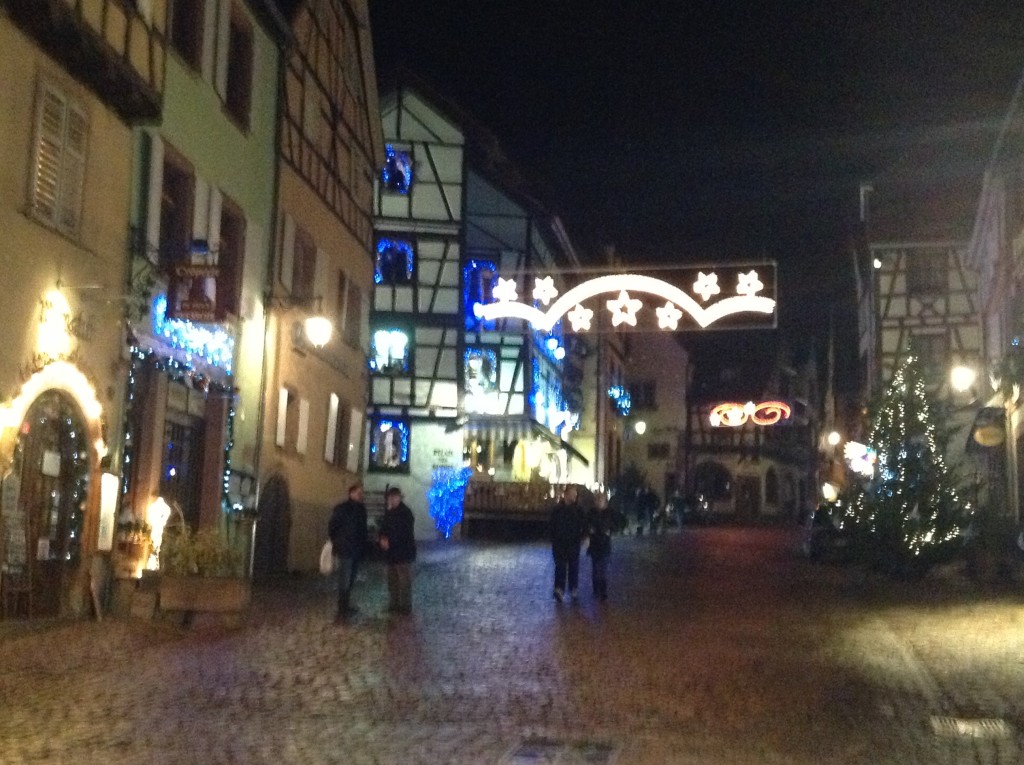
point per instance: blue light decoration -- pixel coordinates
(211, 343)
(396, 175)
(446, 497)
(620, 396)
(478, 280)
(395, 259)
(389, 444)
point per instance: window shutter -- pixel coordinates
(213, 235)
(288, 251)
(223, 37)
(154, 197)
(332, 428)
(302, 439)
(355, 431)
(320, 280)
(50, 136)
(282, 417)
(209, 42)
(201, 210)
(73, 170)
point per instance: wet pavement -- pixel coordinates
(718, 645)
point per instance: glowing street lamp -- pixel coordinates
(834, 438)
(640, 427)
(962, 377)
(318, 330)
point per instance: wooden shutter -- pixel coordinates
(355, 432)
(302, 439)
(154, 198)
(73, 170)
(332, 428)
(288, 252)
(49, 139)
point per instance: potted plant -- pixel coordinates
(201, 571)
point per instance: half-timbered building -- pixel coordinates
(449, 390)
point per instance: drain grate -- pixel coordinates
(549, 751)
(958, 727)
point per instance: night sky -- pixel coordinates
(719, 129)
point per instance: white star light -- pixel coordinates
(544, 290)
(706, 285)
(505, 290)
(749, 284)
(668, 316)
(579, 317)
(624, 309)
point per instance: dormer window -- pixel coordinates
(396, 175)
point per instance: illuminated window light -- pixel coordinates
(620, 396)
(212, 344)
(624, 308)
(396, 175)
(395, 261)
(389, 443)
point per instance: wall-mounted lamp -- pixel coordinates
(318, 330)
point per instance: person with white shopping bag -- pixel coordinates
(347, 531)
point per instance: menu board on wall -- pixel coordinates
(14, 530)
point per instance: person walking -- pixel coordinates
(568, 528)
(347, 530)
(398, 541)
(599, 549)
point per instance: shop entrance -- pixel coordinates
(44, 504)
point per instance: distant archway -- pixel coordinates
(273, 529)
(712, 480)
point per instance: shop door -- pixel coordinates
(748, 496)
(52, 460)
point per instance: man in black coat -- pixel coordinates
(348, 533)
(568, 527)
(398, 541)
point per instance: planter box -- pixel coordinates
(202, 593)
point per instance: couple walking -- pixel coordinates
(571, 527)
(349, 535)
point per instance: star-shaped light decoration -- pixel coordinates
(544, 290)
(624, 309)
(749, 284)
(579, 317)
(706, 285)
(505, 290)
(668, 316)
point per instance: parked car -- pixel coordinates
(824, 538)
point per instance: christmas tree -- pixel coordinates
(909, 516)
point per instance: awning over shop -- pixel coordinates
(507, 429)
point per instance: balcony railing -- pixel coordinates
(108, 45)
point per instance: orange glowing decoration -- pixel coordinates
(733, 415)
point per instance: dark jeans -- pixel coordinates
(567, 568)
(348, 569)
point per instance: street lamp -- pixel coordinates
(962, 378)
(640, 427)
(318, 330)
(834, 438)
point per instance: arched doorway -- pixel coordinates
(273, 529)
(712, 481)
(48, 488)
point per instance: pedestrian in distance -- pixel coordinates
(599, 527)
(568, 528)
(347, 530)
(398, 541)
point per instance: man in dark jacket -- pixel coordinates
(398, 541)
(568, 527)
(348, 533)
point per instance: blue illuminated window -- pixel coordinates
(621, 397)
(390, 351)
(481, 370)
(389, 444)
(395, 258)
(396, 175)
(479, 278)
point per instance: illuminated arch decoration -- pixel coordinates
(65, 377)
(623, 305)
(733, 415)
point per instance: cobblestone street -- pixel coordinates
(718, 645)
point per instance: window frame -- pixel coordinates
(400, 425)
(923, 277)
(389, 371)
(241, 63)
(229, 279)
(185, 31)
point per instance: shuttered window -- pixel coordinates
(58, 174)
